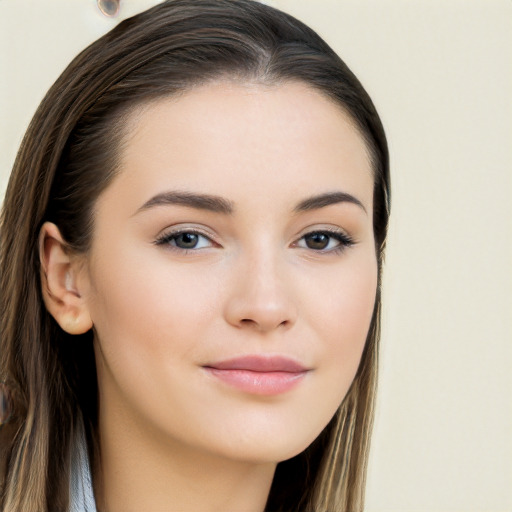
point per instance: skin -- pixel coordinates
(169, 431)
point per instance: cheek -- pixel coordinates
(150, 323)
(146, 310)
(344, 320)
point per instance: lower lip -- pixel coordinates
(259, 383)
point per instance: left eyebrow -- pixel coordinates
(323, 200)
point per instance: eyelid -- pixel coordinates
(324, 228)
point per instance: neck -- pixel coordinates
(139, 471)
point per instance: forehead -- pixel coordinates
(247, 137)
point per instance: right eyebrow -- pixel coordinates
(207, 202)
(323, 200)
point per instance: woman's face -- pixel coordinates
(232, 275)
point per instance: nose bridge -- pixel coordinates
(261, 298)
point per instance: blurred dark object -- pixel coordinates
(109, 7)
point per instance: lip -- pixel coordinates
(259, 375)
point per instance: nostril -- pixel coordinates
(263, 324)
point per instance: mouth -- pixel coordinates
(258, 375)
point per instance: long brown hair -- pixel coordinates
(69, 156)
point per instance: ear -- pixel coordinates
(60, 272)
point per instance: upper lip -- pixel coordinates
(256, 363)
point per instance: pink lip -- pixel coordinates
(259, 375)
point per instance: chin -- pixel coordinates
(272, 445)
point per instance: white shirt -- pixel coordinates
(80, 486)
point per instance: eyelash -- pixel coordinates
(344, 240)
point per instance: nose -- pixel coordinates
(260, 298)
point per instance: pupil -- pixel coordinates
(187, 240)
(317, 241)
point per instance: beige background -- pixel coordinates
(440, 73)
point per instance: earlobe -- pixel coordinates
(59, 282)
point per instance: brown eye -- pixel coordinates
(317, 241)
(325, 241)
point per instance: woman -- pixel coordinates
(191, 251)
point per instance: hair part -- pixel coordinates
(70, 154)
